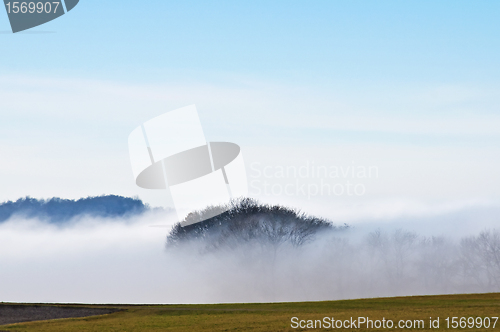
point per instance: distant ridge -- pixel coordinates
(59, 210)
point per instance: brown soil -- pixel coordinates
(11, 313)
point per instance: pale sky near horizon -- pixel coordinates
(411, 88)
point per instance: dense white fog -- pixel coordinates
(125, 261)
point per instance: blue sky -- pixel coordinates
(409, 86)
(313, 41)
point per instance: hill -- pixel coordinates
(58, 210)
(246, 221)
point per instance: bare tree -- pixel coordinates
(392, 255)
(480, 258)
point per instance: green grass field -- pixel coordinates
(277, 316)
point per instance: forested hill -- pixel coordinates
(246, 221)
(58, 210)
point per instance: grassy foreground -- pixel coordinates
(277, 316)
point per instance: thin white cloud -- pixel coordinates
(67, 137)
(404, 109)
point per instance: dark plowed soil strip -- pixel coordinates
(10, 314)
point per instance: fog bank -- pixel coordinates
(99, 260)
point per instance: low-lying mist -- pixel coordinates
(269, 253)
(252, 253)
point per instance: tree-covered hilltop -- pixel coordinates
(245, 221)
(59, 210)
